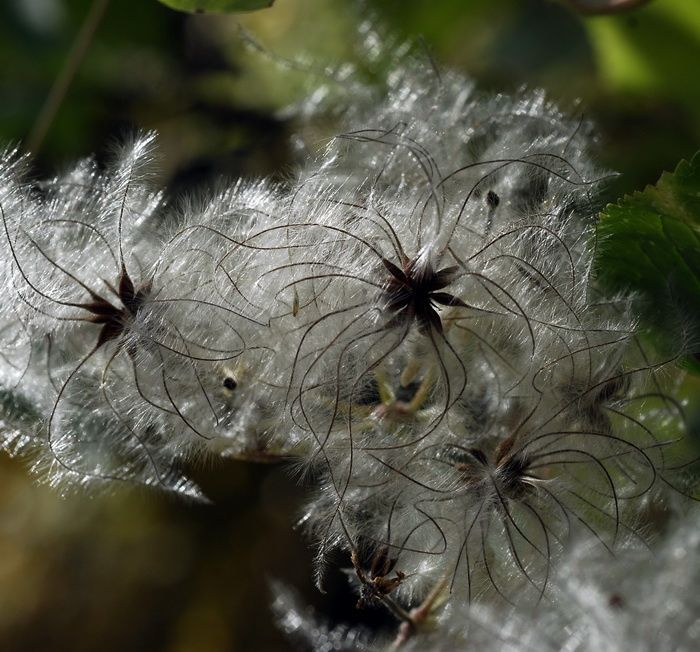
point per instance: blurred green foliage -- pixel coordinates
(141, 572)
(215, 101)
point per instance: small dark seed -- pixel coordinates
(616, 601)
(406, 393)
(492, 199)
(230, 383)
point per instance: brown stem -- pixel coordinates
(418, 616)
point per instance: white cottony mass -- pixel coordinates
(413, 320)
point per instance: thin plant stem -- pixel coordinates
(418, 616)
(62, 83)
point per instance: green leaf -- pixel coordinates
(218, 6)
(649, 243)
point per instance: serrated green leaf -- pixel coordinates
(649, 242)
(217, 6)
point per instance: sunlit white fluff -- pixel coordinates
(413, 318)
